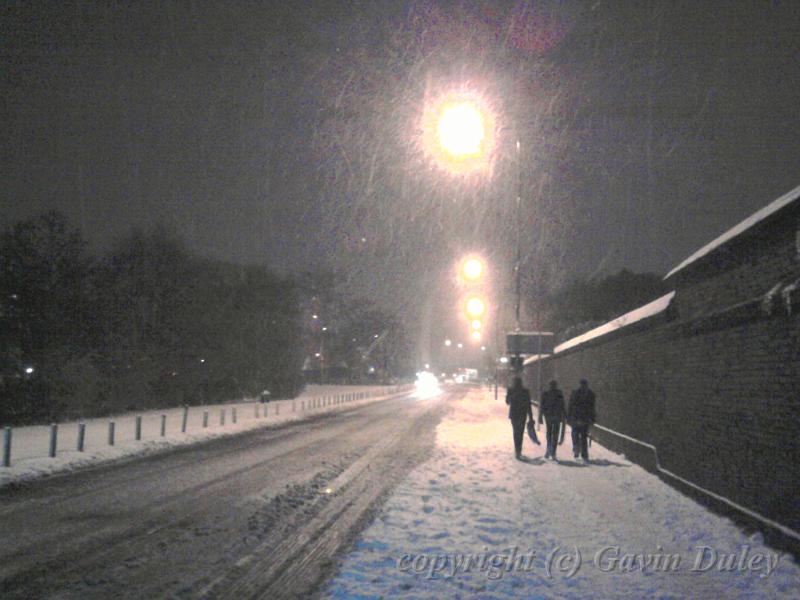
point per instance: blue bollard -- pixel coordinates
(7, 447)
(53, 440)
(81, 435)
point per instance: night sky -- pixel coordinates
(288, 132)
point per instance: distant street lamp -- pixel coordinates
(475, 307)
(472, 269)
(447, 343)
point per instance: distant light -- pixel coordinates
(372, 369)
(328, 490)
(427, 385)
(354, 339)
(427, 366)
(476, 335)
(202, 360)
(363, 240)
(375, 336)
(29, 370)
(14, 297)
(324, 329)
(315, 316)
(483, 348)
(475, 307)
(317, 355)
(472, 268)
(460, 345)
(503, 359)
(476, 324)
(448, 343)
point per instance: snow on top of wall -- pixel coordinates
(756, 217)
(643, 312)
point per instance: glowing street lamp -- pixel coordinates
(461, 129)
(475, 307)
(476, 335)
(447, 343)
(458, 132)
(472, 269)
(476, 325)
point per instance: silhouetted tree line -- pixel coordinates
(583, 305)
(148, 325)
(350, 340)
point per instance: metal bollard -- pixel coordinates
(185, 419)
(53, 440)
(81, 435)
(163, 425)
(205, 419)
(222, 417)
(111, 433)
(7, 447)
(233, 414)
(138, 435)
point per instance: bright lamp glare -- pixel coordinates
(476, 324)
(473, 268)
(476, 335)
(475, 307)
(461, 129)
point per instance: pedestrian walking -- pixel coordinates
(580, 416)
(518, 399)
(552, 412)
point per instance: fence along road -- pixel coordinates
(261, 514)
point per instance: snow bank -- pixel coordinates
(472, 522)
(30, 445)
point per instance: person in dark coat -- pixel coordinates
(551, 410)
(580, 416)
(518, 399)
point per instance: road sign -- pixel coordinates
(530, 342)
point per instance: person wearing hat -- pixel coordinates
(551, 410)
(580, 416)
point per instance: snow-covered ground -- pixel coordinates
(473, 522)
(30, 445)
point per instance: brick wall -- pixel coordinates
(714, 381)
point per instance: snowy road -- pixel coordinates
(472, 522)
(262, 514)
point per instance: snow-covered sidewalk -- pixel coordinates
(30, 445)
(473, 522)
